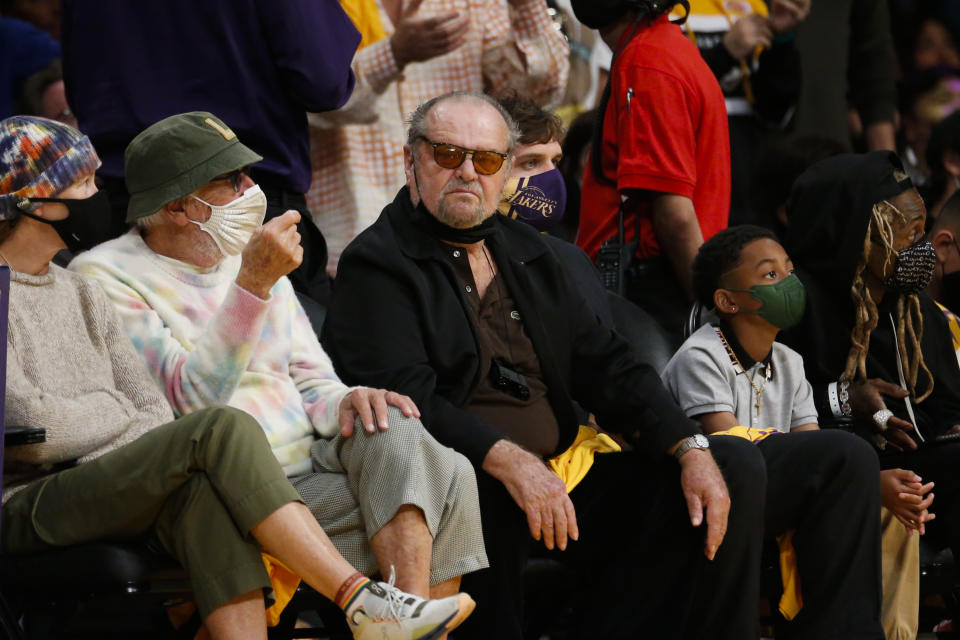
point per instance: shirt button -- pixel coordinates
(456, 254)
(469, 289)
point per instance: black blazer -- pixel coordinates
(398, 320)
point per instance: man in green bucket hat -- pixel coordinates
(200, 283)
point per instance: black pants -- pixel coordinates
(639, 566)
(825, 485)
(939, 464)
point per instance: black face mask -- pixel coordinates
(452, 234)
(913, 268)
(423, 217)
(86, 225)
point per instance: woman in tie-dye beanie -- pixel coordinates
(39, 158)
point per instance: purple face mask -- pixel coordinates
(538, 200)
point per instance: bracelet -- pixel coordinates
(844, 394)
(839, 395)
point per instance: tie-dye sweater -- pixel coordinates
(207, 341)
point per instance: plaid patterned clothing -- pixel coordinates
(358, 484)
(358, 168)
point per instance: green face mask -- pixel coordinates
(781, 304)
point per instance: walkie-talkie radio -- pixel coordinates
(615, 257)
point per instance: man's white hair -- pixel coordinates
(153, 220)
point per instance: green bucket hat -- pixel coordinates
(178, 155)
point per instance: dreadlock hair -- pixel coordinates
(909, 319)
(721, 254)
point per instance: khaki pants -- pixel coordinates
(359, 483)
(901, 579)
(198, 485)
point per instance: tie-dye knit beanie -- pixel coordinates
(39, 158)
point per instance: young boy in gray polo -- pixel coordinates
(733, 373)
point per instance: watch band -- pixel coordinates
(692, 442)
(834, 400)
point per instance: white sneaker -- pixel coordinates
(383, 612)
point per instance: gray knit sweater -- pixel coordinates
(72, 369)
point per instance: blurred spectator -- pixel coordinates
(780, 164)
(24, 50)
(944, 286)
(589, 65)
(926, 97)
(751, 52)
(943, 161)
(847, 44)
(44, 95)
(933, 46)
(573, 163)
(431, 47)
(923, 38)
(259, 65)
(660, 163)
(43, 14)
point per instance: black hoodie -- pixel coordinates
(828, 213)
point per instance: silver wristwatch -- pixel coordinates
(698, 441)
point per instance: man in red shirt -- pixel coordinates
(664, 154)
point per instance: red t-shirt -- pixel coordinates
(664, 130)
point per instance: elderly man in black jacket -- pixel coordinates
(473, 317)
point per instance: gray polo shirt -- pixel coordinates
(704, 379)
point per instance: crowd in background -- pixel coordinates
(861, 76)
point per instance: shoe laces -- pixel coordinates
(396, 599)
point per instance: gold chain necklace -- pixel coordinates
(736, 361)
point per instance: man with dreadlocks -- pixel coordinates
(876, 348)
(661, 156)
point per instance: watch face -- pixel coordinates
(701, 441)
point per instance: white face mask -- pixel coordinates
(231, 225)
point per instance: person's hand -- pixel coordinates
(866, 398)
(785, 15)
(370, 405)
(418, 39)
(746, 34)
(705, 490)
(273, 251)
(536, 490)
(904, 495)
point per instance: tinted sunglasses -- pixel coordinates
(450, 156)
(235, 178)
